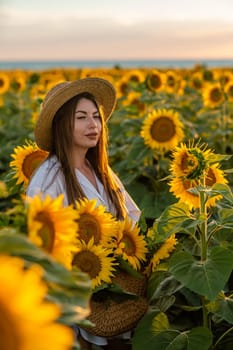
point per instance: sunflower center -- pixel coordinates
(89, 227)
(215, 95)
(170, 81)
(9, 337)
(124, 88)
(129, 245)
(31, 162)
(188, 164)
(87, 262)
(163, 129)
(46, 231)
(1, 83)
(154, 81)
(134, 78)
(210, 178)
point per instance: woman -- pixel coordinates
(72, 127)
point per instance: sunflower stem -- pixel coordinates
(203, 213)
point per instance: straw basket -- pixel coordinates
(113, 315)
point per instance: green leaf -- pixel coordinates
(224, 190)
(226, 218)
(160, 284)
(153, 332)
(160, 323)
(207, 277)
(172, 219)
(196, 338)
(143, 336)
(223, 307)
(70, 288)
(214, 158)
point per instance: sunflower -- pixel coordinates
(133, 99)
(94, 222)
(135, 76)
(27, 321)
(18, 81)
(4, 83)
(53, 227)
(196, 81)
(162, 253)
(190, 168)
(181, 187)
(172, 81)
(224, 76)
(213, 95)
(189, 162)
(122, 86)
(129, 244)
(156, 80)
(162, 129)
(38, 92)
(26, 159)
(96, 261)
(51, 77)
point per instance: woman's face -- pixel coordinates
(87, 124)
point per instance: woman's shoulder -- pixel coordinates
(49, 165)
(47, 176)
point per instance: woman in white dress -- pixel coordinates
(72, 127)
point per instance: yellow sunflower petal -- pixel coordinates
(53, 227)
(94, 221)
(95, 260)
(156, 80)
(162, 253)
(189, 162)
(4, 83)
(26, 159)
(28, 321)
(180, 187)
(162, 129)
(213, 95)
(130, 244)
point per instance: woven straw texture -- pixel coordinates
(101, 89)
(111, 317)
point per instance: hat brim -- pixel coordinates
(101, 89)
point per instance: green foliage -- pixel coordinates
(160, 336)
(191, 294)
(66, 288)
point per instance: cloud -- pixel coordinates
(73, 37)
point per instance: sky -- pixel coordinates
(115, 29)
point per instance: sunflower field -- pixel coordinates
(171, 143)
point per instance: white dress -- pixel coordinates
(49, 179)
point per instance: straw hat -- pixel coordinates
(113, 315)
(101, 89)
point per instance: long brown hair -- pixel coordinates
(62, 143)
